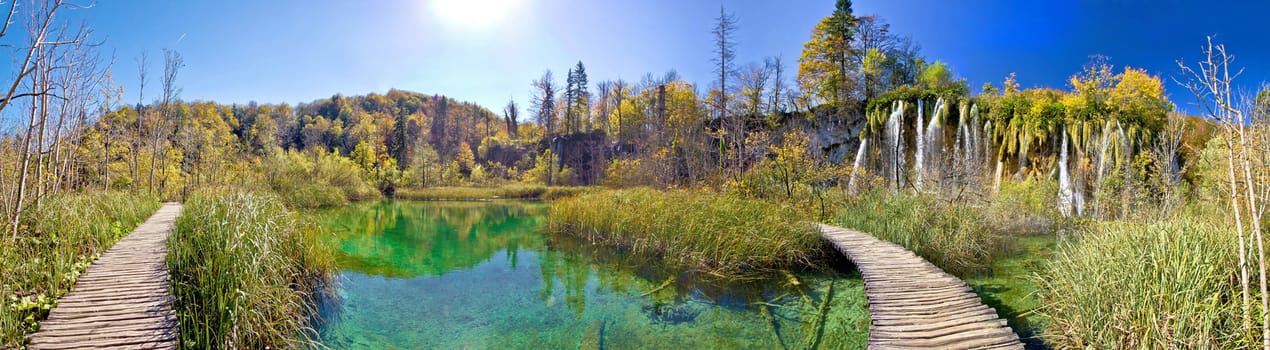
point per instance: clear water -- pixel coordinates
(457, 275)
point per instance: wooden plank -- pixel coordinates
(915, 305)
(122, 300)
(168, 321)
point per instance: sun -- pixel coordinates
(475, 14)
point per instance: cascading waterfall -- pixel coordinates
(858, 165)
(1066, 199)
(977, 149)
(919, 159)
(895, 143)
(933, 137)
(1102, 152)
(967, 139)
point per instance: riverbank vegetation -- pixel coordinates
(64, 234)
(719, 234)
(1175, 283)
(246, 272)
(511, 191)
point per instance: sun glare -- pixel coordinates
(472, 13)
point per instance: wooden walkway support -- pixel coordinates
(123, 300)
(915, 305)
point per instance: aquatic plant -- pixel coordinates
(245, 271)
(723, 234)
(518, 191)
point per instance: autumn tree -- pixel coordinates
(603, 106)
(620, 91)
(824, 68)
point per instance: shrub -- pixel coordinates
(316, 179)
(245, 271)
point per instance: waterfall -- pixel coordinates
(966, 139)
(1065, 200)
(988, 152)
(1069, 197)
(895, 143)
(859, 164)
(1102, 153)
(934, 137)
(996, 180)
(919, 159)
(976, 140)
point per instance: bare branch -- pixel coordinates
(13, 7)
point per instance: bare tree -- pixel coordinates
(1165, 152)
(725, 51)
(41, 21)
(172, 64)
(604, 105)
(39, 71)
(143, 67)
(776, 66)
(1211, 83)
(754, 79)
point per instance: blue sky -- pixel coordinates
(290, 51)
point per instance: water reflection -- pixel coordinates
(485, 275)
(407, 239)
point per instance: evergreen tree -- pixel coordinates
(581, 97)
(509, 116)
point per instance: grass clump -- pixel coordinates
(446, 193)
(57, 241)
(720, 234)
(520, 191)
(954, 237)
(245, 271)
(1171, 284)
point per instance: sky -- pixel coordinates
(488, 51)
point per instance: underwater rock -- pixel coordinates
(671, 315)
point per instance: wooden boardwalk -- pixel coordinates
(915, 305)
(123, 300)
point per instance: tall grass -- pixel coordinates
(57, 241)
(245, 272)
(721, 234)
(1171, 284)
(954, 237)
(519, 191)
